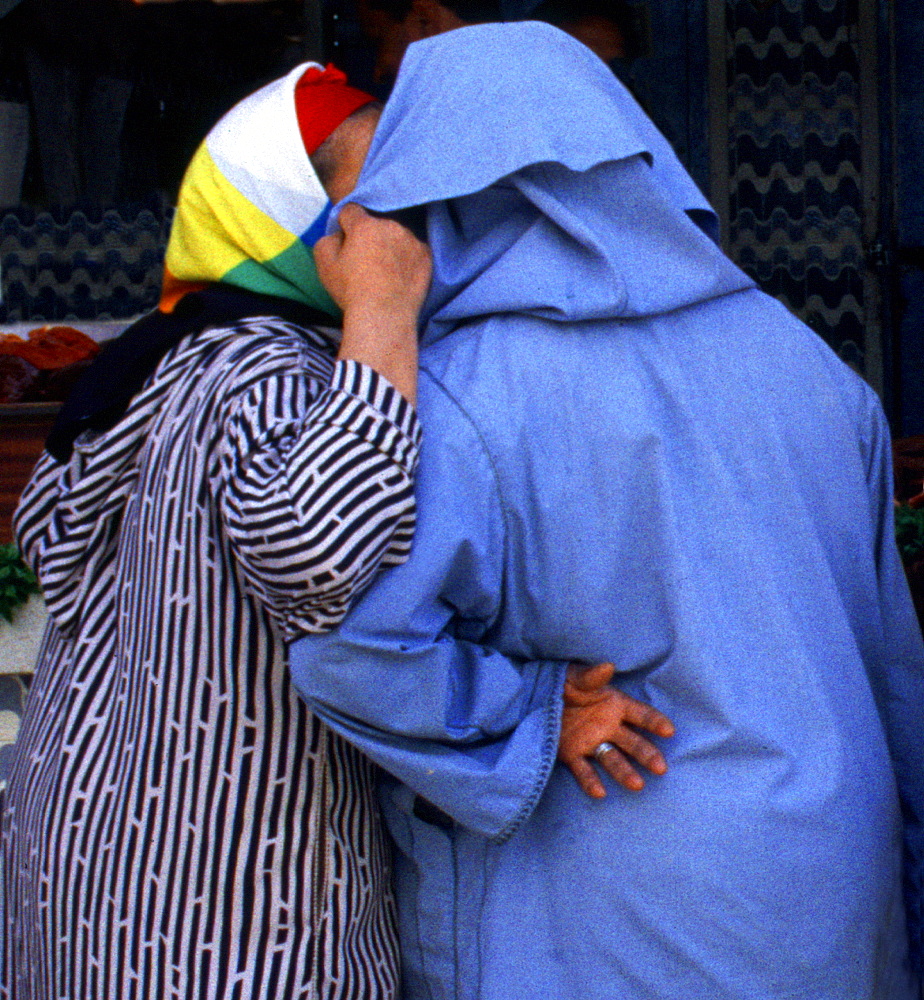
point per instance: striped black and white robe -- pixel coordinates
(178, 824)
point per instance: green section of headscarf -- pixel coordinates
(291, 275)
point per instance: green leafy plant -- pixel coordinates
(909, 533)
(17, 581)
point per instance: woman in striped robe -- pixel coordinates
(178, 825)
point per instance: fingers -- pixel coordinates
(634, 745)
(628, 748)
(620, 770)
(585, 678)
(596, 713)
(585, 685)
(645, 716)
(614, 763)
(351, 216)
(375, 265)
(326, 251)
(586, 777)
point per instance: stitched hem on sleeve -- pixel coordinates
(547, 756)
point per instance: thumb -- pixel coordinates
(589, 679)
(327, 248)
(350, 216)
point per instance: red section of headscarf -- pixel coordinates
(323, 99)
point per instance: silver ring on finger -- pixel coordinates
(603, 749)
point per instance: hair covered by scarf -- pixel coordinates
(251, 206)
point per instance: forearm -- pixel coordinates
(378, 273)
(469, 730)
(386, 342)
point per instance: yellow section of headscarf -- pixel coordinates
(216, 228)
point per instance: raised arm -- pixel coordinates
(378, 274)
(318, 493)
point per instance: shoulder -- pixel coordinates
(500, 375)
(257, 342)
(220, 365)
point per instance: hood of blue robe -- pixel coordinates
(564, 203)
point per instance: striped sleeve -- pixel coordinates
(317, 494)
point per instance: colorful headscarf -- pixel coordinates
(251, 207)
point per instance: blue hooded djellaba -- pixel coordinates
(630, 455)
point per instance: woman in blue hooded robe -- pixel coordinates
(633, 456)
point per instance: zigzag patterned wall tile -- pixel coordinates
(796, 195)
(78, 265)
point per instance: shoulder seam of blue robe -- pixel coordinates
(476, 430)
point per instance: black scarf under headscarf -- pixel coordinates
(103, 393)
